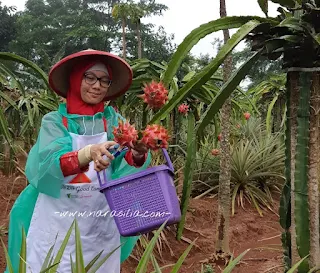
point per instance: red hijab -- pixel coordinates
(75, 104)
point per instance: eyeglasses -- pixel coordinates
(92, 79)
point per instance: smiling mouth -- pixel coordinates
(94, 94)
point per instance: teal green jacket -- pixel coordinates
(45, 175)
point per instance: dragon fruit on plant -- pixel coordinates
(183, 108)
(155, 94)
(155, 137)
(246, 115)
(215, 152)
(125, 134)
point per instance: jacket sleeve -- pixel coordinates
(69, 163)
(43, 169)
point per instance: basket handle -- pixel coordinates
(169, 163)
(104, 178)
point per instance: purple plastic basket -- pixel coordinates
(143, 201)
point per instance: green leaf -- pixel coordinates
(93, 261)
(296, 266)
(62, 249)
(317, 38)
(47, 259)
(13, 76)
(73, 266)
(225, 92)
(285, 3)
(4, 127)
(18, 59)
(30, 112)
(269, 114)
(142, 266)
(102, 261)
(155, 264)
(9, 264)
(285, 201)
(47, 104)
(292, 23)
(9, 100)
(80, 268)
(233, 263)
(48, 268)
(188, 172)
(189, 76)
(23, 253)
(203, 76)
(264, 6)
(177, 266)
(202, 31)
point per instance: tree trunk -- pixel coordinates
(222, 244)
(313, 187)
(294, 101)
(139, 40)
(124, 43)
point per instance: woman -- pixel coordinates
(74, 143)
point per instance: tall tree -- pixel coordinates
(7, 30)
(136, 13)
(121, 12)
(222, 245)
(54, 28)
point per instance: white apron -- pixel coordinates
(85, 202)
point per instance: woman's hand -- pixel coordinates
(138, 151)
(97, 152)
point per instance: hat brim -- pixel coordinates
(121, 72)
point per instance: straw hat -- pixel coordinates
(121, 72)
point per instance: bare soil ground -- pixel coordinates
(248, 230)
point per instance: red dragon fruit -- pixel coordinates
(155, 136)
(125, 134)
(155, 94)
(183, 108)
(215, 152)
(246, 115)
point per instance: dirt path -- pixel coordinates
(247, 231)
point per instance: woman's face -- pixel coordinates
(92, 90)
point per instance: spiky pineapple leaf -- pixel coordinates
(93, 261)
(177, 266)
(142, 266)
(80, 268)
(296, 266)
(97, 265)
(62, 248)
(23, 253)
(9, 264)
(234, 262)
